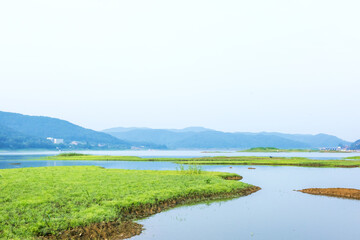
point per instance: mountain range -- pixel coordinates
(204, 138)
(18, 131)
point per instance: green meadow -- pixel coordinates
(47, 200)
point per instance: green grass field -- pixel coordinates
(245, 160)
(46, 200)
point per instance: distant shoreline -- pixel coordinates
(270, 149)
(350, 162)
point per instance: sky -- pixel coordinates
(247, 66)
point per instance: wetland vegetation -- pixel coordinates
(242, 160)
(90, 202)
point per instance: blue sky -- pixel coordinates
(286, 66)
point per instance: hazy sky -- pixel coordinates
(287, 66)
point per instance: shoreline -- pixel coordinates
(220, 160)
(129, 228)
(88, 202)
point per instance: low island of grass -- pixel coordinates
(273, 149)
(240, 160)
(95, 203)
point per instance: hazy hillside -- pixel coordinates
(188, 129)
(11, 139)
(44, 127)
(23, 131)
(202, 138)
(356, 145)
(316, 141)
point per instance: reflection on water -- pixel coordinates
(275, 212)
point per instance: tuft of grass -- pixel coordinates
(191, 169)
(46, 200)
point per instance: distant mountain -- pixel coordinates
(19, 131)
(122, 129)
(17, 128)
(203, 138)
(356, 145)
(192, 129)
(316, 141)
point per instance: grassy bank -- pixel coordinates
(48, 200)
(245, 160)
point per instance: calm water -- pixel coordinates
(275, 212)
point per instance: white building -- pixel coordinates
(56, 140)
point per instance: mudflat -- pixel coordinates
(350, 193)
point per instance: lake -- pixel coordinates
(275, 212)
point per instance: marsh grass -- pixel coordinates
(46, 200)
(191, 169)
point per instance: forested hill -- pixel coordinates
(11, 140)
(19, 131)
